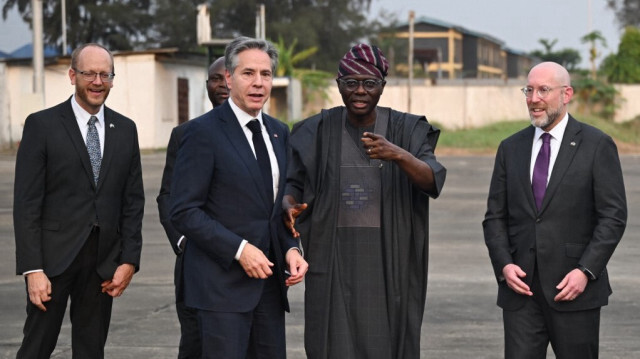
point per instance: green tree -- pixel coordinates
(174, 25)
(627, 12)
(330, 25)
(592, 38)
(385, 28)
(287, 59)
(119, 25)
(623, 66)
(569, 58)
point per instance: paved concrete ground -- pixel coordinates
(461, 319)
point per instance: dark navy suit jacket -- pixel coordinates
(218, 199)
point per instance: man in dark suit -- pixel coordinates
(226, 196)
(78, 207)
(190, 345)
(556, 212)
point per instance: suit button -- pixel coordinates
(538, 220)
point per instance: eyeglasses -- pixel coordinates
(91, 76)
(352, 84)
(542, 92)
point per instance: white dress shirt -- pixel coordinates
(556, 133)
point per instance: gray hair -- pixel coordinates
(242, 43)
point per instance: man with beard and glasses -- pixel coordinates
(190, 345)
(555, 213)
(78, 207)
(358, 184)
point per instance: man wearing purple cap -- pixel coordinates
(359, 179)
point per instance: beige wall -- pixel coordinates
(457, 107)
(630, 106)
(144, 90)
(454, 107)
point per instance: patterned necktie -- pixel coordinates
(541, 170)
(93, 147)
(262, 156)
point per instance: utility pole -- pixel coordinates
(411, 20)
(260, 23)
(38, 49)
(63, 14)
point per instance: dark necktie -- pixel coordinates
(541, 170)
(262, 156)
(93, 147)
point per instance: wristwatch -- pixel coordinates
(587, 272)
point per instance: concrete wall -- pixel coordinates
(630, 106)
(144, 90)
(459, 106)
(454, 107)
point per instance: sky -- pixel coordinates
(520, 24)
(13, 32)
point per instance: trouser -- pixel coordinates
(90, 310)
(256, 334)
(529, 330)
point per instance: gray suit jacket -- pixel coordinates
(582, 219)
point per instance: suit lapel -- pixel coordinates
(277, 142)
(568, 148)
(238, 140)
(523, 164)
(110, 141)
(277, 139)
(71, 126)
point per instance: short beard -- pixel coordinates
(545, 122)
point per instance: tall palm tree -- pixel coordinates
(594, 37)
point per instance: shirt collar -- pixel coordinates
(556, 132)
(242, 116)
(83, 116)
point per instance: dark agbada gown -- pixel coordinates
(365, 235)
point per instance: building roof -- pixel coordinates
(26, 52)
(448, 25)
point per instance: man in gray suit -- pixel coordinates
(555, 213)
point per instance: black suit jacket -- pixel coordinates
(582, 219)
(164, 204)
(56, 202)
(218, 199)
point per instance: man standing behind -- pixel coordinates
(216, 83)
(555, 213)
(364, 173)
(78, 207)
(190, 345)
(226, 199)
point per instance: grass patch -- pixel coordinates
(487, 138)
(481, 139)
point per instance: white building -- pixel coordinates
(157, 89)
